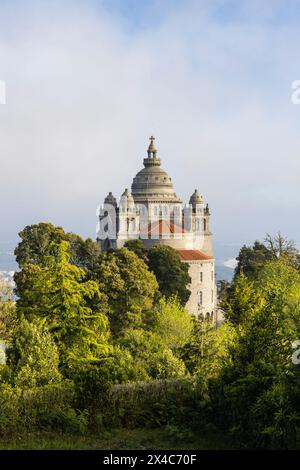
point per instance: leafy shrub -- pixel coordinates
(33, 355)
(179, 402)
(173, 323)
(152, 358)
(38, 408)
(44, 407)
(178, 433)
(165, 365)
(9, 408)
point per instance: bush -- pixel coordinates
(33, 355)
(9, 409)
(44, 407)
(180, 402)
(173, 323)
(39, 408)
(164, 365)
(152, 358)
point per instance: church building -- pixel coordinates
(153, 212)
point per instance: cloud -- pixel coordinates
(84, 91)
(230, 263)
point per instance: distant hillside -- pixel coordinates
(7, 257)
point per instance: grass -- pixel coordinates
(118, 439)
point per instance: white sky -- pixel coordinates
(86, 86)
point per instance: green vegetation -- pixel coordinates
(137, 246)
(100, 346)
(116, 439)
(129, 287)
(7, 312)
(171, 274)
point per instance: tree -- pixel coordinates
(58, 292)
(33, 355)
(252, 259)
(165, 365)
(84, 253)
(208, 348)
(130, 288)
(36, 241)
(234, 298)
(7, 312)
(242, 299)
(258, 389)
(40, 240)
(280, 247)
(171, 274)
(173, 323)
(138, 247)
(151, 354)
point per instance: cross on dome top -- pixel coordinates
(152, 151)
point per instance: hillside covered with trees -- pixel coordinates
(100, 341)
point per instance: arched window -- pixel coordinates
(204, 225)
(200, 297)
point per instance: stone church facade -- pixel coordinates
(154, 213)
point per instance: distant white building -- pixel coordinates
(154, 213)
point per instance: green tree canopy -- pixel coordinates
(129, 286)
(171, 274)
(282, 247)
(252, 259)
(33, 355)
(208, 348)
(260, 384)
(151, 354)
(138, 247)
(7, 312)
(40, 240)
(173, 323)
(35, 243)
(244, 300)
(58, 291)
(237, 299)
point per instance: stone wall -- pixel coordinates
(204, 283)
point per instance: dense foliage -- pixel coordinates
(172, 275)
(259, 399)
(95, 340)
(129, 286)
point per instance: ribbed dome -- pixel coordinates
(196, 198)
(110, 199)
(152, 182)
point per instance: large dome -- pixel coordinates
(152, 183)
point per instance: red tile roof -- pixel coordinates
(163, 227)
(190, 255)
